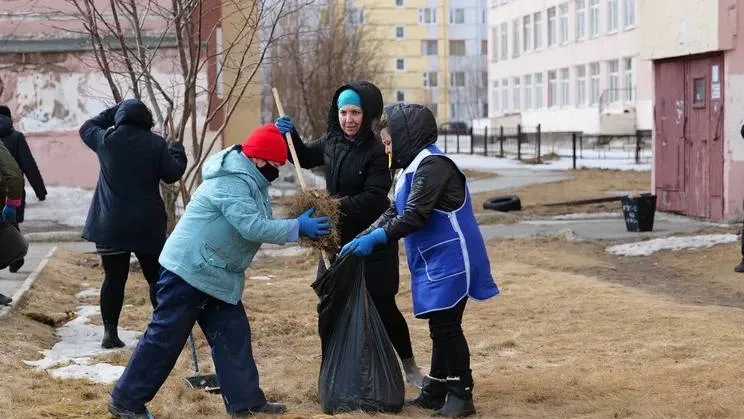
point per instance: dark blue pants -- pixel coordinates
(226, 327)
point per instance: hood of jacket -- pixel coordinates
(371, 108)
(231, 161)
(413, 127)
(6, 126)
(133, 112)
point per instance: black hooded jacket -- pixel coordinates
(357, 172)
(16, 144)
(127, 212)
(437, 182)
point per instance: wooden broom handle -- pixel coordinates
(290, 143)
(296, 161)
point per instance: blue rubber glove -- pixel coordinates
(284, 124)
(9, 214)
(313, 227)
(364, 245)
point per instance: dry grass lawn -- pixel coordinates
(576, 333)
(585, 184)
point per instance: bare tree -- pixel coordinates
(210, 74)
(321, 47)
(468, 89)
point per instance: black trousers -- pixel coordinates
(450, 354)
(116, 269)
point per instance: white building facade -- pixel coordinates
(568, 65)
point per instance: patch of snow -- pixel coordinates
(587, 216)
(262, 277)
(90, 292)
(476, 162)
(64, 205)
(79, 343)
(646, 248)
(283, 252)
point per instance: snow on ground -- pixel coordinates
(587, 216)
(63, 205)
(72, 356)
(476, 162)
(646, 248)
(88, 292)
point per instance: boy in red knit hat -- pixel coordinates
(202, 279)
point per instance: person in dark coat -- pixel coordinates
(16, 144)
(127, 214)
(446, 253)
(11, 190)
(356, 171)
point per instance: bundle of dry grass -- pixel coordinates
(326, 206)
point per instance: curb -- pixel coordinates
(54, 236)
(20, 292)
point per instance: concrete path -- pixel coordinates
(515, 178)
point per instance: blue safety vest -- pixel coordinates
(447, 256)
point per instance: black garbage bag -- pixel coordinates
(359, 369)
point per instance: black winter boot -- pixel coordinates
(740, 267)
(5, 301)
(267, 408)
(459, 402)
(433, 394)
(111, 337)
(16, 265)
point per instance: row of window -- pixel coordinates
(527, 31)
(526, 92)
(457, 16)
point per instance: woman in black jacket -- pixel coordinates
(127, 214)
(356, 171)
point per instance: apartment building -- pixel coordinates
(435, 51)
(568, 65)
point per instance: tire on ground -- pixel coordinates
(503, 203)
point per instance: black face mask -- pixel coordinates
(269, 172)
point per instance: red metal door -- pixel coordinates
(669, 150)
(697, 124)
(715, 160)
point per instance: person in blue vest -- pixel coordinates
(203, 276)
(446, 253)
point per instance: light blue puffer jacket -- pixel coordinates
(224, 225)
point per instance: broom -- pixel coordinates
(297, 167)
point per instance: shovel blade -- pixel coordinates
(208, 383)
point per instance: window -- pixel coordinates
(484, 47)
(593, 83)
(457, 79)
(427, 16)
(515, 37)
(552, 88)
(400, 64)
(400, 96)
(526, 33)
(538, 90)
(484, 17)
(628, 13)
(516, 94)
(580, 19)
(431, 79)
(613, 80)
(528, 91)
(429, 47)
(399, 32)
(434, 108)
(494, 44)
(613, 15)
(580, 85)
(495, 97)
(483, 79)
(398, 3)
(552, 26)
(594, 18)
(356, 15)
(457, 47)
(628, 79)
(457, 16)
(698, 92)
(538, 33)
(504, 38)
(565, 87)
(563, 23)
(505, 95)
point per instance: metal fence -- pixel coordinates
(530, 144)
